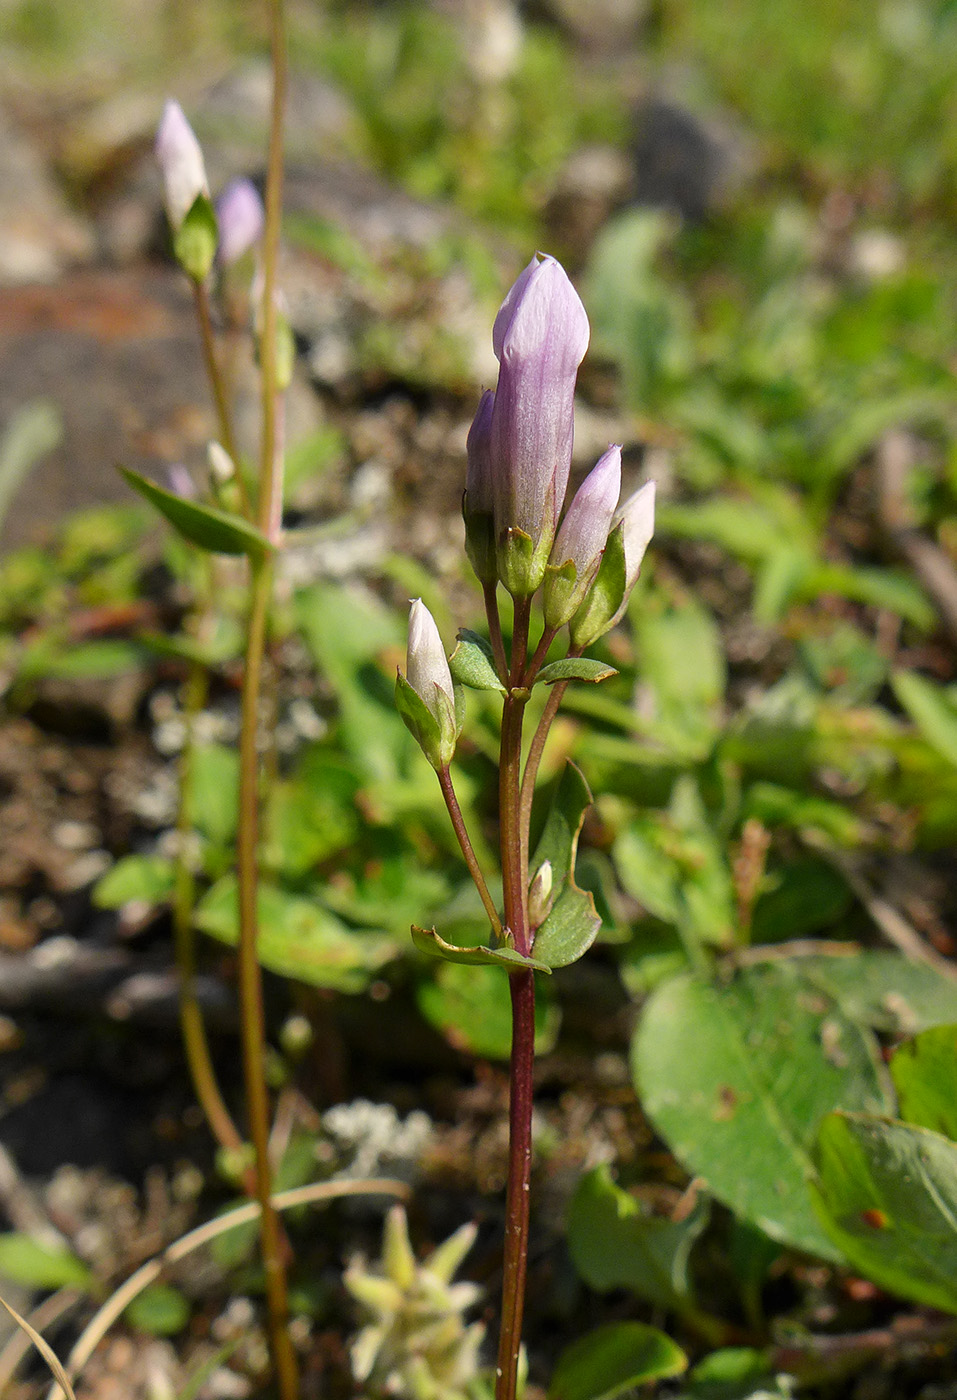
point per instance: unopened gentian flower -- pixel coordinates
(580, 542)
(242, 218)
(430, 710)
(180, 159)
(540, 337)
(637, 517)
(478, 503)
(605, 604)
(181, 482)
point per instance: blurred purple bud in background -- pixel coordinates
(242, 218)
(180, 482)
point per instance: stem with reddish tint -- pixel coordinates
(522, 992)
(471, 860)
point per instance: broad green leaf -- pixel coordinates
(924, 1071)
(737, 1077)
(886, 1193)
(347, 630)
(681, 659)
(428, 941)
(572, 922)
(311, 815)
(931, 709)
(571, 668)
(214, 791)
(473, 664)
(218, 531)
(471, 1007)
(617, 1243)
(298, 938)
(150, 878)
(883, 989)
(159, 1309)
(614, 1359)
(24, 1260)
(558, 842)
(569, 929)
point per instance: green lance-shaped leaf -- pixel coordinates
(575, 668)
(572, 922)
(24, 1260)
(614, 1359)
(216, 531)
(924, 1071)
(428, 941)
(614, 1243)
(473, 664)
(886, 1193)
(736, 1079)
(931, 709)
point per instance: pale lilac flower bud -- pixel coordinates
(181, 162)
(427, 674)
(638, 518)
(181, 482)
(222, 468)
(581, 539)
(242, 218)
(540, 337)
(478, 501)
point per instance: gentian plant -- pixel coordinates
(583, 566)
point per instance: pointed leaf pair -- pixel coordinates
(428, 941)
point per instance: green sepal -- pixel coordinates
(216, 531)
(520, 571)
(606, 594)
(196, 239)
(575, 668)
(473, 664)
(421, 723)
(572, 922)
(562, 593)
(428, 941)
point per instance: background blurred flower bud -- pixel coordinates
(242, 218)
(581, 539)
(180, 159)
(478, 503)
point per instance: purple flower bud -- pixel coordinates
(581, 539)
(478, 503)
(638, 518)
(180, 482)
(540, 337)
(242, 217)
(181, 162)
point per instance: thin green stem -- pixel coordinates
(261, 584)
(522, 992)
(537, 747)
(269, 467)
(250, 985)
(195, 1045)
(217, 384)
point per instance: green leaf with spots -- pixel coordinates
(737, 1077)
(886, 1193)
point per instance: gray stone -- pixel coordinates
(39, 235)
